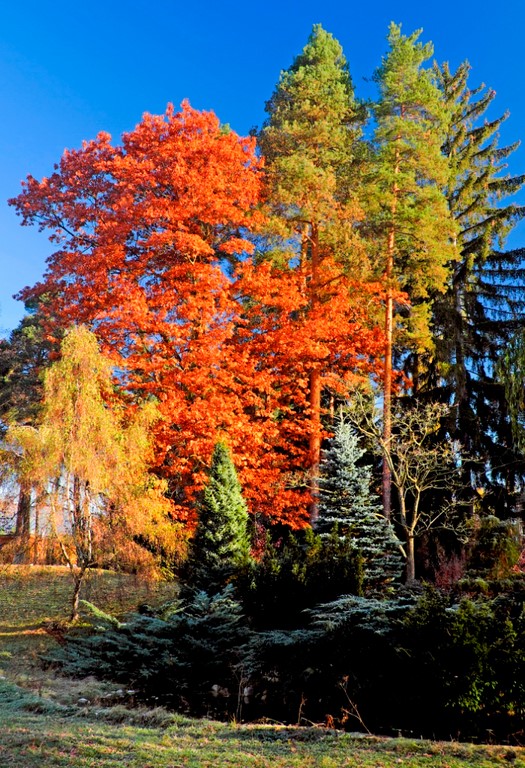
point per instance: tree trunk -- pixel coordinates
(23, 524)
(411, 559)
(315, 441)
(389, 333)
(387, 407)
(75, 598)
(315, 386)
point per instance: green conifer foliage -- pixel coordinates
(221, 545)
(408, 209)
(483, 305)
(347, 504)
(311, 149)
(309, 139)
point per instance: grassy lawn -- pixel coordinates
(47, 720)
(32, 740)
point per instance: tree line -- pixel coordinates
(254, 291)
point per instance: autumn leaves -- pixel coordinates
(240, 294)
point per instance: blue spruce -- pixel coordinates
(348, 506)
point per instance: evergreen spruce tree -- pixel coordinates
(221, 545)
(347, 504)
(482, 307)
(408, 209)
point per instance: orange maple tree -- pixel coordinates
(288, 337)
(144, 232)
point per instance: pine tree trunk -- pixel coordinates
(389, 333)
(387, 408)
(315, 387)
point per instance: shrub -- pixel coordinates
(296, 573)
(175, 657)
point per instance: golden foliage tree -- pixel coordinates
(91, 467)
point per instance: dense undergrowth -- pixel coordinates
(420, 662)
(52, 720)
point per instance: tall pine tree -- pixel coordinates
(311, 149)
(407, 206)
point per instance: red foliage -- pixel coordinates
(140, 229)
(288, 337)
(143, 230)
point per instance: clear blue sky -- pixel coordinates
(72, 69)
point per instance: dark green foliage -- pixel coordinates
(495, 547)
(470, 663)
(482, 307)
(175, 657)
(221, 546)
(23, 357)
(298, 572)
(346, 501)
(422, 663)
(510, 368)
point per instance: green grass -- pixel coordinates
(47, 721)
(35, 740)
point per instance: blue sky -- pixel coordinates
(72, 69)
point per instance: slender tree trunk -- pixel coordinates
(387, 406)
(315, 385)
(315, 440)
(389, 333)
(415, 375)
(411, 558)
(36, 544)
(75, 598)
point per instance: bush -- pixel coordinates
(186, 656)
(423, 662)
(296, 573)
(496, 548)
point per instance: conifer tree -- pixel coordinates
(310, 144)
(347, 503)
(221, 545)
(408, 208)
(482, 308)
